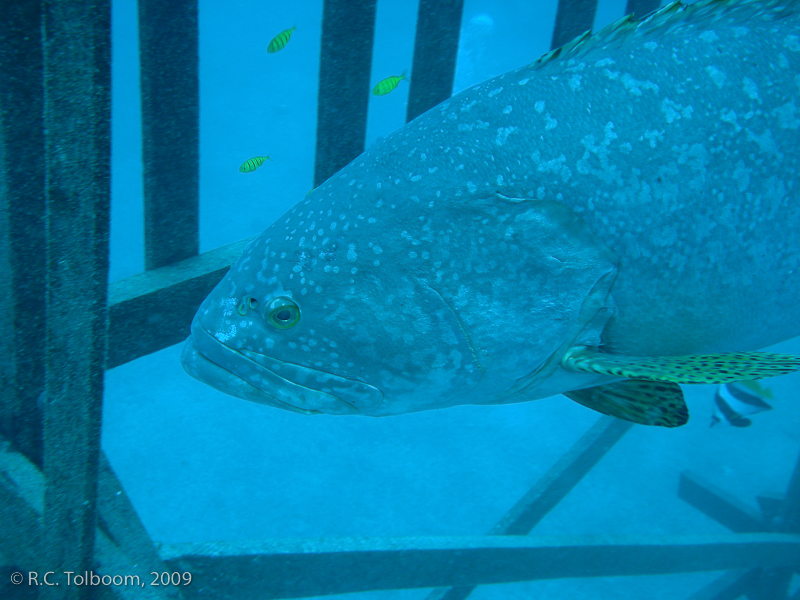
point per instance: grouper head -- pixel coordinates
(379, 295)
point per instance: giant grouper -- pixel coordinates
(615, 219)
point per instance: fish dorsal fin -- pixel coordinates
(701, 368)
(643, 402)
(700, 15)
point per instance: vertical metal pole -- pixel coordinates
(573, 18)
(170, 129)
(348, 28)
(22, 243)
(77, 84)
(641, 8)
(775, 582)
(435, 52)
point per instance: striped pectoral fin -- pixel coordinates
(703, 368)
(644, 402)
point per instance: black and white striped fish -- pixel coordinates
(734, 401)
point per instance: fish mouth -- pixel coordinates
(267, 380)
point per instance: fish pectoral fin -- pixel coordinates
(644, 402)
(701, 368)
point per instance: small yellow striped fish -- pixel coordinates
(384, 86)
(251, 165)
(280, 40)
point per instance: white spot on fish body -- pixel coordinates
(751, 89)
(792, 42)
(493, 93)
(550, 122)
(471, 187)
(575, 82)
(730, 117)
(416, 178)
(651, 46)
(539, 106)
(604, 62)
(614, 75)
(502, 135)
(717, 76)
(351, 252)
(787, 115)
(508, 109)
(708, 36)
(653, 136)
(635, 86)
(523, 81)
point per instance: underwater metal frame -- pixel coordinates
(60, 502)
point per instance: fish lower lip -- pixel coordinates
(264, 379)
(359, 396)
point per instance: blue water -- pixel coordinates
(202, 466)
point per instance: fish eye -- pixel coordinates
(246, 304)
(282, 313)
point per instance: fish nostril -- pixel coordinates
(246, 304)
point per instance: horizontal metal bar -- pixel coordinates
(719, 505)
(295, 568)
(153, 310)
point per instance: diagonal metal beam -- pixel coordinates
(122, 545)
(562, 477)
(559, 481)
(719, 505)
(285, 568)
